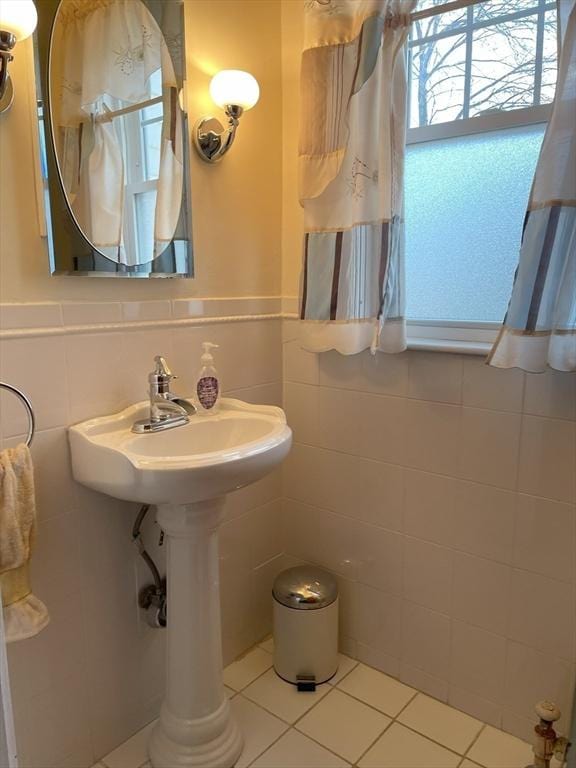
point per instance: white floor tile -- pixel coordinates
(343, 725)
(441, 723)
(294, 750)
(268, 645)
(343, 719)
(345, 665)
(260, 729)
(242, 672)
(377, 689)
(133, 753)
(495, 749)
(400, 747)
(281, 698)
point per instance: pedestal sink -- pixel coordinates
(186, 472)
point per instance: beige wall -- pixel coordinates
(292, 35)
(236, 205)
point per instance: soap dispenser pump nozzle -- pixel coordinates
(207, 355)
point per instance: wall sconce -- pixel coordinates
(18, 20)
(234, 91)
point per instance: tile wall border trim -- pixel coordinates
(38, 319)
(74, 330)
(21, 320)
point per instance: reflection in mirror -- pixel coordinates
(117, 128)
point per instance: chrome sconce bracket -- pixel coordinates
(17, 22)
(211, 139)
(7, 43)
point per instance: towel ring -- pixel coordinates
(28, 405)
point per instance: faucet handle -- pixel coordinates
(162, 368)
(160, 377)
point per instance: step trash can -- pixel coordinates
(305, 607)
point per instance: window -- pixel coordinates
(481, 80)
(141, 133)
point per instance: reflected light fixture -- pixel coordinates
(18, 20)
(235, 91)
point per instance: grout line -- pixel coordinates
(356, 664)
(429, 738)
(414, 468)
(449, 548)
(405, 707)
(272, 743)
(392, 720)
(474, 740)
(372, 743)
(371, 706)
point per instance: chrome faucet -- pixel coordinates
(167, 410)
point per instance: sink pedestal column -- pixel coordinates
(196, 726)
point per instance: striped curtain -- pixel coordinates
(539, 329)
(351, 160)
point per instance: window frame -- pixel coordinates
(467, 337)
(131, 126)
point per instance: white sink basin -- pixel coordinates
(206, 458)
(186, 472)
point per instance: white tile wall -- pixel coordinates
(95, 675)
(442, 493)
(439, 491)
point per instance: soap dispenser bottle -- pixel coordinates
(207, 386)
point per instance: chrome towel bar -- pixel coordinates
(28, 405)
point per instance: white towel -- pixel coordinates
(24, 614)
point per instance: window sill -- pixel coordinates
(451, 336)
(481, 348)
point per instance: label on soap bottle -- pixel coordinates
(207, 391)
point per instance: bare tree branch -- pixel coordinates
(503, 64)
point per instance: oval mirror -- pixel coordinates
(117, 126)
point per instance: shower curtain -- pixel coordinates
(539, 329)
(351, 160)
(110, 48)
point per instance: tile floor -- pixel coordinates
(361, 718)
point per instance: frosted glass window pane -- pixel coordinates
(465, 204)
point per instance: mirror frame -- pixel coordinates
(70, 252)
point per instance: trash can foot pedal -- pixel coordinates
(306, 683)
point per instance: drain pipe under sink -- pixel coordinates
(152, 597)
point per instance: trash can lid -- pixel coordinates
(305, 588)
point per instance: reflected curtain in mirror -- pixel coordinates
(109, 56)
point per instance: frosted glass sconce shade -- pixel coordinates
(234, 91)
(233, 86)
(18, 19)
